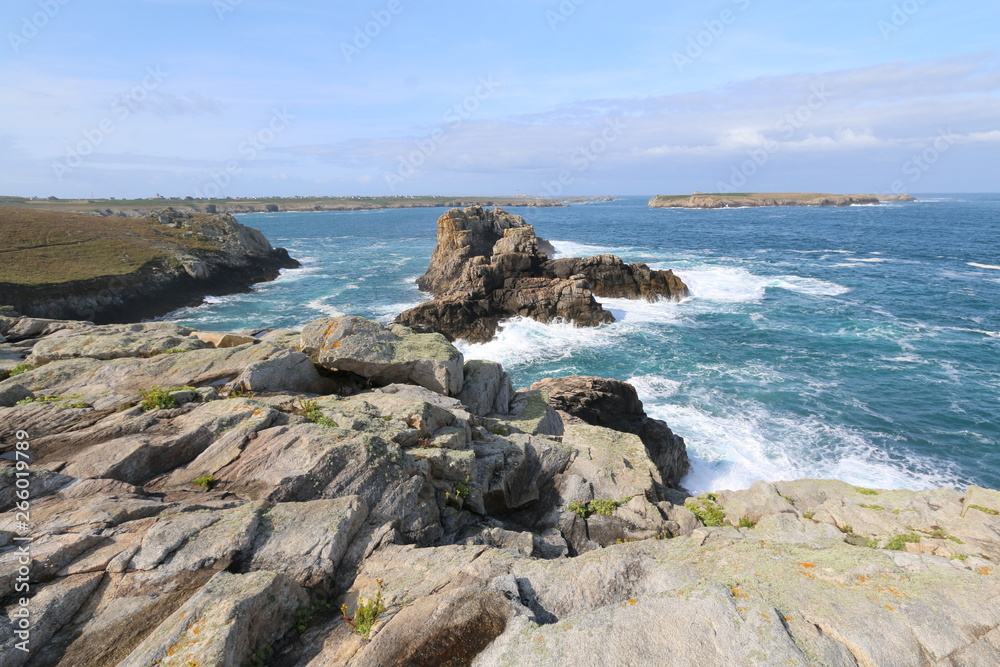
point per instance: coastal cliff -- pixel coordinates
(356, 494)
(489, 266)
(709, 201)
(71, 266)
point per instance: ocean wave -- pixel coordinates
(984, 266)
(322, 306)
(736, 285)
(573, 249)
(652, 387)
(732, 449)
(523, 342)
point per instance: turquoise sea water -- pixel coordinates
(861, 344)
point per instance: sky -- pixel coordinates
(133, 98)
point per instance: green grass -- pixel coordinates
(986, 510)
(898, 543)
(877, 508)
(866, 492)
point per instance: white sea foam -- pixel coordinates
(733, 450)
(736, 285)
(984, 266)
(524, 341)
(869, 260)
(654, 386)
(322, 306)
(573, 249)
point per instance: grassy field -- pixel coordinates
(52, 247)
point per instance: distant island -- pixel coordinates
(139, 208)
(759, 199)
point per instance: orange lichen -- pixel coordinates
(984, 571)
(807, 565)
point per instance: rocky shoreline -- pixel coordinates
(215, 498)
(712, 201)
(217, 255)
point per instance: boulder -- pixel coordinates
(385, 355)
(615, 404)
(114, 341)
(222, 339)
(487, 388)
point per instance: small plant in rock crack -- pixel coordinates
(19, 369)
(366, 612)
(313, 413)
(304, 616)
(460, 494)
(205, 481)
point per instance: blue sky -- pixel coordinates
(546, 97)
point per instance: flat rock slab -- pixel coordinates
(385, 355)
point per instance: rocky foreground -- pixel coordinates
(757, 200)
(490, 266)
(63, 265)
(213, 498)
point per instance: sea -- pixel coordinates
(860, 343)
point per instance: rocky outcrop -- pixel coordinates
(489, 266)
(230, 525)
(191, 256)
(615, 405)
(699, 200)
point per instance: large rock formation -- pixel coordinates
(489, 266)
(614, 404)
(226, 523)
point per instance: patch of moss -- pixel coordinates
(987, 510)
(866, 492)
(877, 508)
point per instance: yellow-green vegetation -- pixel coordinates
(987, 510)
(157, 398)
(365, 613)
(53, 247)
(71, 401)
(260, 657)
(39, 399)
(877, 508)
(313, 413)
(205, 481)
(597, 506)
(866, 492)
(707, 510)
(746, 522)
(460, 494)
(19, 369)
(898, 543)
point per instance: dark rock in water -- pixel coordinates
(614, 404)
(489, 266)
